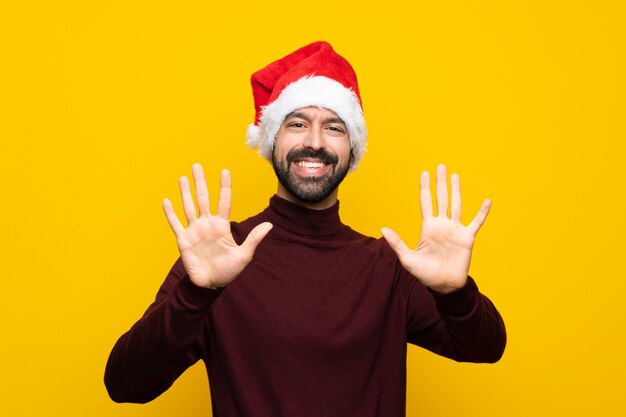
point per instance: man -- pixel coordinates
(293, 312)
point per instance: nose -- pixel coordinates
(314, 139)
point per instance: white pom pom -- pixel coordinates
(253, 134)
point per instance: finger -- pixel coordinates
(455, 198)
(226, 195)
(188, 205)
(172, 218)
(255, 237)
(202, 192)
(442, 191)
(396, 243)
(426, 199)
(480, 217)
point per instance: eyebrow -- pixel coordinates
(299, 115)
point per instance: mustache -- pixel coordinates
(319, 154)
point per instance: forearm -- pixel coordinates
(462, 325)
(475, 330)
(147, 359)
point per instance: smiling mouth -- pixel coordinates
(310, 164)
(311, 167)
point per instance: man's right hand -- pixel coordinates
(209, 253)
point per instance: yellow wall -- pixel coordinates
(104, 104)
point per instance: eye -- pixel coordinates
(296, 125)
(336, 129)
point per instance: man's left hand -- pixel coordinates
(442, 258)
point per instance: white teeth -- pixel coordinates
(307, 164)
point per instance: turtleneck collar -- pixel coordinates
(302, 220)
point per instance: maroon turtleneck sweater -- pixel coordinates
(316, 325)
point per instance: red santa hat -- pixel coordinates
(314, 75)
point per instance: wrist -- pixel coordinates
(444, 290)
(448, 287)
(195, 296)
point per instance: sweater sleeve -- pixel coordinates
(463, 325)
(148, 358)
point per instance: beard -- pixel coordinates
(310, 189)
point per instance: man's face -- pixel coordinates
(312, 154)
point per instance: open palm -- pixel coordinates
(442, 258)
(209, 253)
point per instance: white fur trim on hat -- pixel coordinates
(315, 91)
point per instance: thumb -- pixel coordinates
(255, 237)
(396, 243)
